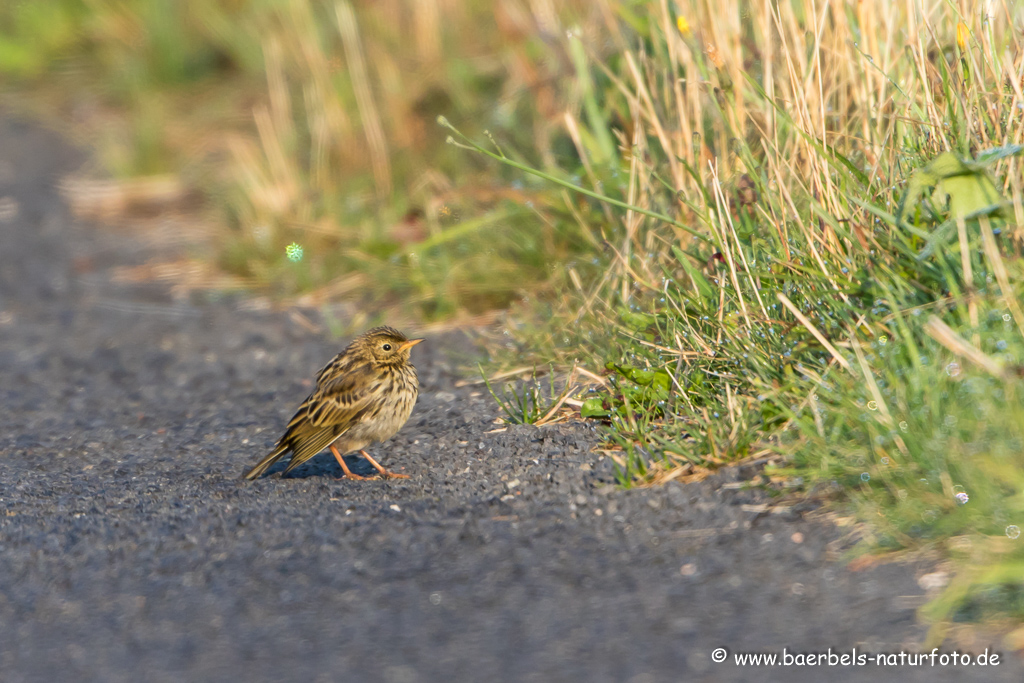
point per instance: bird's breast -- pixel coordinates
(397, 398)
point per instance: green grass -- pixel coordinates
(312, 122)
(530, 402)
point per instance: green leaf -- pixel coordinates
(987, 157)
(635, 375)
(966, 185)
(594, 407)
(662, 381)
(969, 194)
(637, 321)
(771, 414)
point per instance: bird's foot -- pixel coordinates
(387, 474)
(353, 475)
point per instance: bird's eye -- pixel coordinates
(387, 347)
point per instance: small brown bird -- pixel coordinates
(364, 395)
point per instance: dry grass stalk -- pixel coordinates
(379, 155)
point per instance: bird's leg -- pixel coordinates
(344, 467)
(383, 472)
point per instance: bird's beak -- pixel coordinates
(409, 344)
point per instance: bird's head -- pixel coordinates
(386, 345)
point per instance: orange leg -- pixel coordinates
(384, 473)
(344, 467)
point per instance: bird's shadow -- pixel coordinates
(323, 465)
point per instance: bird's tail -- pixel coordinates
(266, 462)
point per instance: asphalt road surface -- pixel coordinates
(130, 549)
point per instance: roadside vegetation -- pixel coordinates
(740, 231)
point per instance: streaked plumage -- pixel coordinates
(363, 396)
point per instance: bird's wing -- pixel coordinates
(329, 412)
(341, 399)
(311, 443)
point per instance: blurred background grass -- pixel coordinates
(314, 123)
(782, 232)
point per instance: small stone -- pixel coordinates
(933, 581)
